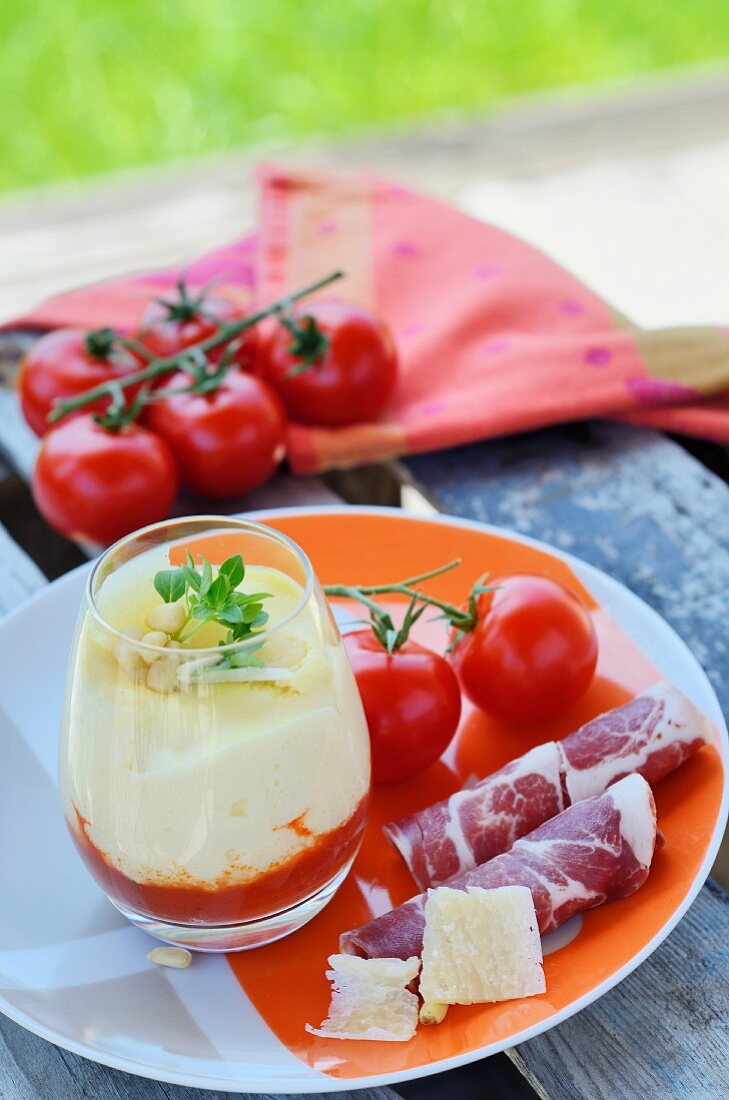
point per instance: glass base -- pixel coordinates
(243, 936)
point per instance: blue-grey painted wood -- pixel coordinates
(662, 1033)
(627, 500)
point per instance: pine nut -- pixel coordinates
(169, 617)
(177, 957)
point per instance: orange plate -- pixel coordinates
(286, 981)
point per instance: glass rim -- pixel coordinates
(232, 522)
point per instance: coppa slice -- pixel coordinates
(478, 823)
(652, 734)
(370, 999)
(480, 945)
(592, 852)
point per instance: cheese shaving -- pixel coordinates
(370, 999)
(480, 946)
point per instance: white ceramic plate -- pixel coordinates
(73, 971)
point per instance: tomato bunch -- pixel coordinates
(523, 649)
(197, 395)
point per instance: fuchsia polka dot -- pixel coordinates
(412, 330)
(434, 408)
(487, 271)
(598, 357)
(572, 307)
(495, 347)
(326, 228)
(406, 248)
(654, 391)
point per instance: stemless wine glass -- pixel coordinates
(215, 788)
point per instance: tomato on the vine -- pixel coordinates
(66, 362)
(333, 362)
(227, 441)
(168, 326)
(98, 485)
(411, 701)
(531, 653)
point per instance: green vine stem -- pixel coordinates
(194, 354)
(461, 619)
(403, 588)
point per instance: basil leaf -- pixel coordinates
(170, 583)
(218, 592)
(230, 614)
(234, 569)
(239, 660)
(206, 578)
(250, 613)
(192, 577)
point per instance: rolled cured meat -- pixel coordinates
(480, 822)
(651, 735)
(595, 851)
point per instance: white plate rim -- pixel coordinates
(312, 1081)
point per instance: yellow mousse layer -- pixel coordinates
(212, 778)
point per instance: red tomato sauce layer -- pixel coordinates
(182, 899)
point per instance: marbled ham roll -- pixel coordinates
(595, 851)
(480, 822)
(652, 735)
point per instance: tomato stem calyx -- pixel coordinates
(187, 306)
(309, 343)
(100, 342)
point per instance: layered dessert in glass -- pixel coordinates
(214, 755)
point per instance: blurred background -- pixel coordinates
(90, 86)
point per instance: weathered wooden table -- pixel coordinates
(632, 502)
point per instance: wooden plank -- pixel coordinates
(673, 1012)
(18, 444)
(21, 576)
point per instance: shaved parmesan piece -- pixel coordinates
(370, 999)
(480, 945)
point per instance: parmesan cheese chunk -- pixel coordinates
(480, 945)
(370, 999)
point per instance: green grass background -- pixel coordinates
(94, 85)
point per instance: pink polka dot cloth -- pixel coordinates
(493, 336)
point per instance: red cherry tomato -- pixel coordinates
(97, 485)
(411, 700)
(64, 363)
(354, 379)
(167, 328)
(226, 442)
(532, 653)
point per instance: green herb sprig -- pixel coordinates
(213, 597)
